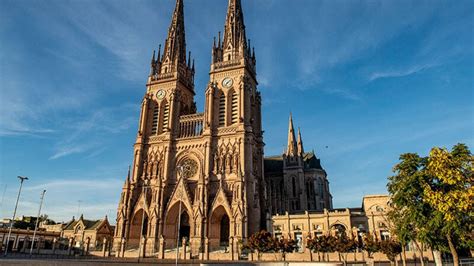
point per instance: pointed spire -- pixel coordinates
(291, 147)
(127, 180)
(234, 30)
(153, 64)
(300, 143)
(175, 46)
(189, 59)
(159, 53)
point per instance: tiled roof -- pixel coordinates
(274, 164)
(88, 224)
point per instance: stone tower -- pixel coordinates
(207, 165)
(296, 181)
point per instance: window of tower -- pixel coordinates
(166, 116)
(235, 113)
(154, 124)
(222, 110)
(294, 186)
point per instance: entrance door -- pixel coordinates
(224, 234)
(184, 227)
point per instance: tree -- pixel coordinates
(262, 241)
(391, 249)
(432, 199)
(450, 191)
(410, 215)
(314, 245)
(371, 244)
(344, 245)
(285, 245)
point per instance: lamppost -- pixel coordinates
(22, 178)
(144, 191)
(37, 221)
(180, 171)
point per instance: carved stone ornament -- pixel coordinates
(190, 168)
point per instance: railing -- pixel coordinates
(191, 125)
(225, 64)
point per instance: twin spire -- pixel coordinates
(294, 147)
(174, 53)
(234, 46)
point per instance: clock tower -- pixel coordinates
(196, 177)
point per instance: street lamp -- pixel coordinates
(22, 178)
(37, 221)
(180, 171)
(144, 191)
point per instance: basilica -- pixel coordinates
(200, 179)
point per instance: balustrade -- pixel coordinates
(191, 125)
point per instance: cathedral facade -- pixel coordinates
(197, 176)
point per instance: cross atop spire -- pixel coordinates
(291, 149)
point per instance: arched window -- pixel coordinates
(235, 113)
(222, 110)
(154, 124)
(294, 186)
(166, 116)
(321, 188)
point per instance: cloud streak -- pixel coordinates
(401, 72)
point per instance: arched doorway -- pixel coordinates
(174, 229)
(224, 234)
(338, 229)
(136, 229)
(184, 227)
(219, 229)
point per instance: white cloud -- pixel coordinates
(401, 72)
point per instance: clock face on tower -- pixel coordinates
(227, 82)
(160, 94)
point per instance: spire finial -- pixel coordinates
(291, 146)
(300, 143)
(234, 30)
(189, 59)
(159, 53)
(175, 45)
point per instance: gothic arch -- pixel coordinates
(220, 227)
(139, 217)
(221, 108)
(171, 225)
(338, 228)
(164, 116)
(152, 118)
(233, 106)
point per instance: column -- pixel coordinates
(183, 248)
(88, 241)
(55, 240)
(232, 250)
(104, 246)
(162, 248)
(69, 247)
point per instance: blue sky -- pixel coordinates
(365, 81)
